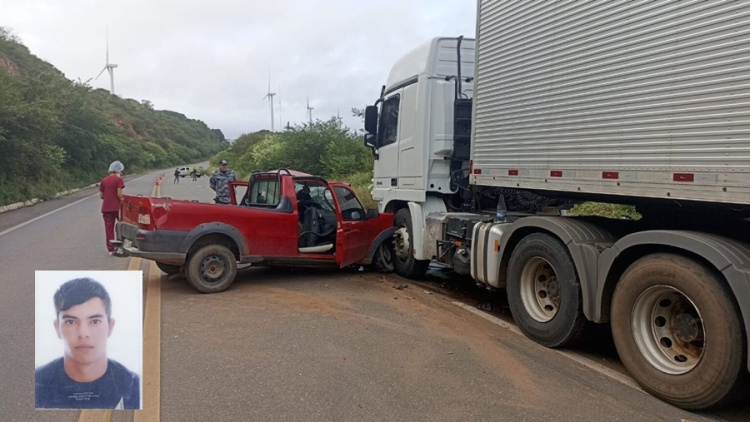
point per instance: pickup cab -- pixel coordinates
(275, 219)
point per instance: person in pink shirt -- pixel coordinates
(110, 191)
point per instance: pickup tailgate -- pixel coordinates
(136, 210)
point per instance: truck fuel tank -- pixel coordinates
(485, 252)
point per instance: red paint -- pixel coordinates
(683, 177)
(268, 233)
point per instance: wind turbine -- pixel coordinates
(309, 109)
(109, 67)
(270, 95)
(281, 126)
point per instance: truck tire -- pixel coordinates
(544, 292)
(405, 263)
(678, 332)
(168, 269)
(211, 269)
(383, 259)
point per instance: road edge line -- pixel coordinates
(44, 215)
(151, 350)
(105, 415)
(601, 369)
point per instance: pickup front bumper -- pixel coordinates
(156, 245)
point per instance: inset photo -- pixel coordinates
(88, 339)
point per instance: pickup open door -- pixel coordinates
(353, 234)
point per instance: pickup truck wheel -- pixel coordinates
(544, 292)
(405, 264)
(678, 332)
(168, 269)
(383, 259)
(211, 269)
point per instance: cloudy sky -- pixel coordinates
(210, 60)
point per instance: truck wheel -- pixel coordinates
(405, 264)
(544, 292)
(211, 269)
(168, 269)
(383, 259)
(678, 331)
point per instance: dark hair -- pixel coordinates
(79, 290)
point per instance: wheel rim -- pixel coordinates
(401, 244)
(668, 329)
(540, 289)
(212, 268)
(385, 257)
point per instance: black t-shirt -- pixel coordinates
(118, 388)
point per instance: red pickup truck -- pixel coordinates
(280, 220)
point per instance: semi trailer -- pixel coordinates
(483, 144)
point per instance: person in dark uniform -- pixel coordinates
(304, 200)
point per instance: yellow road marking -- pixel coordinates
(106, 415)
(95, 416)
(151, 350)
(134, 264)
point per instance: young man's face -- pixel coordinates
(85, 329)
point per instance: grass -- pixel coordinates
(361, 182)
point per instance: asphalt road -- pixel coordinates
(284, 345)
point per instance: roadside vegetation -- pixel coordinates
(325, 148)
(605, 210)
(57, 134)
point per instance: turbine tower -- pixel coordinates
(309, 110)
(109, 67)
(270, 95)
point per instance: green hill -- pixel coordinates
(57, 134)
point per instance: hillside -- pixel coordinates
(57, 134)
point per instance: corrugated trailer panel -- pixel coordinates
(635, 98)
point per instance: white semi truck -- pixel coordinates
(554, 103)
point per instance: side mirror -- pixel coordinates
(372, 214)
(371, 120)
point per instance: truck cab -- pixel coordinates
(411, 126)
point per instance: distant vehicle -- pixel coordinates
(184, 171)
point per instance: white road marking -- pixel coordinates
(623, 379)
(54, 211)
(44, 215)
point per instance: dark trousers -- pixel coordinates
(109, 227)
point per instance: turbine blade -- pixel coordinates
(100, 73)
(107, 47)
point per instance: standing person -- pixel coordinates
(194, 173)
(176, 176)
(220, 182)
(110, 191)
(84, 378)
